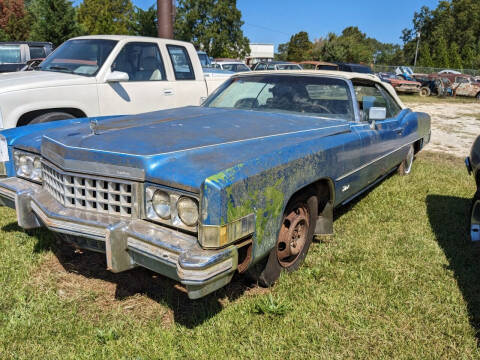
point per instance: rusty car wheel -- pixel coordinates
(425, 91)
(405, 167)
(52, 116)
(294, 238)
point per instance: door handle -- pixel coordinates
(399, 131)
(168, 92)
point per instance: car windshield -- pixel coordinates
(81, 57)
(10, 54)
(302, 95)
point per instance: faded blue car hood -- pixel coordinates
(180, 147)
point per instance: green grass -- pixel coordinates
(399, 280)
(435, 99)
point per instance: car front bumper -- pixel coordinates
(127, 243)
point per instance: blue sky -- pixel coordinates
(270, 21)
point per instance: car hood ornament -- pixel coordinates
(94, 126)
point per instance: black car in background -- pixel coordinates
(16, 54)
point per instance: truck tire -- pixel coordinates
(294, 239)
(405, 166)
(51, 116)
(425, 91)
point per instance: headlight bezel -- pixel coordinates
(31, 169)
(174, 195)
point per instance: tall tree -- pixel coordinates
(145, 22)
(53, 20)
(426, 56)
(212, 25)
(441, 58)
(14, 20)
(455, 58)
(299, 47)
(106, 17)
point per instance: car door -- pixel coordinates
(381, 139)
(147, 88)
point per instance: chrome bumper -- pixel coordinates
(127, 243)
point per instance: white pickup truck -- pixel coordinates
(106, 75)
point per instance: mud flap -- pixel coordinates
(324, 224)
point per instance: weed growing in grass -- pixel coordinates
(104, 336)
(268, 305)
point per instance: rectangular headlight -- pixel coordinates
(28, 165)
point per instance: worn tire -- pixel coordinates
(471, 231)
(425, 91)
(405, 166)
(303, 210)
(51, 116)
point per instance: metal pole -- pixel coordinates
(165, 18)
(416, 51)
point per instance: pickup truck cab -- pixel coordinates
(106, 75)
(16, 54)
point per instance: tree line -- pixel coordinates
(212, 25)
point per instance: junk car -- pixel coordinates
(239, 184)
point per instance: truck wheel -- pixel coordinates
(425, 91)
(51, 116)
(474, 223)
(294, 238)
(405, 166)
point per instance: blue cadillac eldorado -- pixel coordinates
(242, 183)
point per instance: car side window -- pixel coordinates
(182, 66)
(37, 52)
(141, 61)
(261, 67)
(370, 95)
(271, 67)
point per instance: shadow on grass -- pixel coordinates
(89, 264)
(448, 216)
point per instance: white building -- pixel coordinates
(260, 52)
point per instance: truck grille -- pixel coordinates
(99, 195)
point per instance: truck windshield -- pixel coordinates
(301, 95)
(82, 56)
(204, 60)
(10, 54)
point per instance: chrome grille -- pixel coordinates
(99, 195)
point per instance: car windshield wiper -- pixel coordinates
(58, 68)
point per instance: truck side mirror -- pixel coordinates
(117, 76)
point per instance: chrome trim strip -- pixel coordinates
(373, 161)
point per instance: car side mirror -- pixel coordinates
(376, 114)
(117, 76)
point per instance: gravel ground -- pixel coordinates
(454, 126)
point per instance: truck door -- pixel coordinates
(147, 89)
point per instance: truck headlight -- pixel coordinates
(28, 166)
(188, 211)
(171, 207)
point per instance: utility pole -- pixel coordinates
(416, 51)
(165, 16)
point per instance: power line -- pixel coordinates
(268, 29)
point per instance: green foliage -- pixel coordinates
(53, 20)
(450, 26)
(106, 17)
(15, 21)
(354, 46)
(145, 22)
(299, 47)
(455, 58)
(425, 56)
(441, 57)
(270, 306)
(212, 25)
